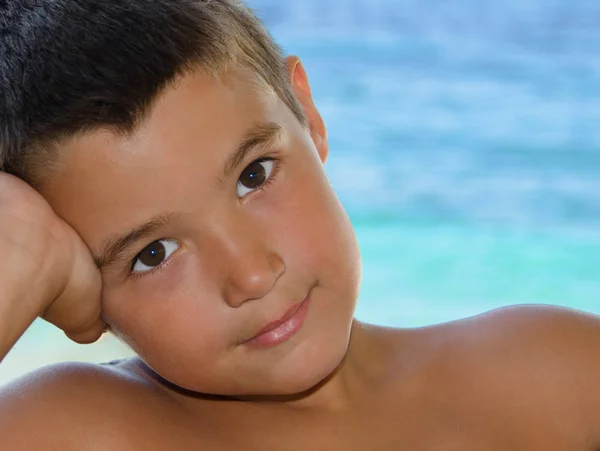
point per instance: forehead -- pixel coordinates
(105, 183)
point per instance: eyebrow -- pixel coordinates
(262, 135)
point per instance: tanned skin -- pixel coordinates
(236, 259)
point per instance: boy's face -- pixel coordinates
(239, 243)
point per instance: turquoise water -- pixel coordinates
(465, 143)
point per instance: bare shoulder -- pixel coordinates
(528, 327)
(566, 338)
(557, 344)
(63, 405)
(535, 361)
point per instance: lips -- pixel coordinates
(275, 324)
(280, 330)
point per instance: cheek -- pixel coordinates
(312, 225)
(167, 318)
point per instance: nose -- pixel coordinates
(251, 270)
(252, 277)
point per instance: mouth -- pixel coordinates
(281, 330)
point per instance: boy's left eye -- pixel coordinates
(254, 176)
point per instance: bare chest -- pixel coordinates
(419, 430)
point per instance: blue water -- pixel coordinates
(465, 144)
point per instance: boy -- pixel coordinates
(180, 201)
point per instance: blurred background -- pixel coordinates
(465, 145)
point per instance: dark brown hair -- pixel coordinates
(72, 66)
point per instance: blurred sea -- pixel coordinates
(465, 144)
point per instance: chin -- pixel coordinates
(303, 371)
(303, 384)
(317, 358)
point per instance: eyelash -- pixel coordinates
(163, 266)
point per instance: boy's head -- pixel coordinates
(71, 66)
(188, 155)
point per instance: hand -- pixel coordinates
(45, 269)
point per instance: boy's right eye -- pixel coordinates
(154, 255)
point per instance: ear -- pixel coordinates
(301, 88)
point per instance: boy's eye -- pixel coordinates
(255, 175)
(154, 255)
